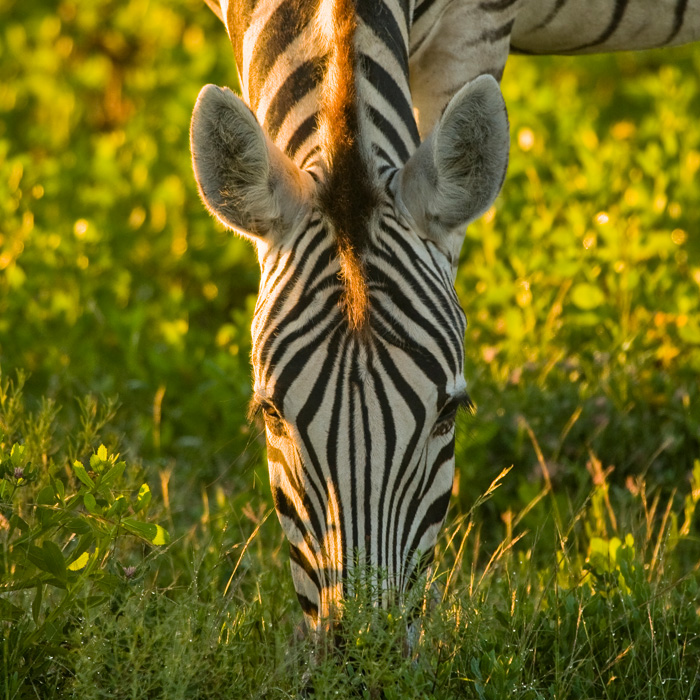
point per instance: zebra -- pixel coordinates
(453, 42)
(370, 134)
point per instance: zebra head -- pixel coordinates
(357, 333)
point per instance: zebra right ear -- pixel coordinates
(457, 172)
(244, 180)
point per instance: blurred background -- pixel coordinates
(581, 285)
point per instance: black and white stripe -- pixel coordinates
(360, 428)
(360, 425)
(453, 42)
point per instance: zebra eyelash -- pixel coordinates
(254, 409)
(460, 402)
(259, 405)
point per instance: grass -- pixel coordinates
(574, 574)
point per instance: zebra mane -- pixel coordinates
(347, 194)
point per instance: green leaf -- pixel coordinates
(17, 455)
(59, 489)
(162, 536)
(119, 506)
(145, 530)
(155, 534)
(36, 556)
(86, 541)
(143, 499)
(587, 296)
(113, 474)
(90, 503)
(18, 522)
(46, 496)
(78, 525)
(80, 472)
(53, 557)
(102, 453)
(9, 611)
(93, 601)
(80, 562)
(36, 603)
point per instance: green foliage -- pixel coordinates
(62, 529)
(113, 279)
(582, 285)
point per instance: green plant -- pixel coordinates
(63, 528)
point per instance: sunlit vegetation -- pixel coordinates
(141, 557)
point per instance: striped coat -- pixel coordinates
(358, 222)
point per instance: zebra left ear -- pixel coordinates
(457, 172)
(245, 181)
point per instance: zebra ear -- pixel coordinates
(457, 172)
(244, 180)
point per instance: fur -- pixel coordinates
(347, 195)
(458, 170)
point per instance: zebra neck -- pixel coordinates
(282, 62)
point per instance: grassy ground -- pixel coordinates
(573, 575)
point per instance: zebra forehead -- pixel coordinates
(348, 194)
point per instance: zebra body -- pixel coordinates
(357, 333)
(453, 42)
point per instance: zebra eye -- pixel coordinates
(446, 418)
(273, 419)
(270, 411)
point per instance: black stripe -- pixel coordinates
(275, 455)
(312, 237)
(435, 515)
(368, 464)
(431, 366)
(312, 467)
(387, 128)
(352, 452)
(298, 260)
(382, 22)
(316, 332)
(445, 455)
(285, 508)
(678, 17)
(303, 563)
(415, 405)
(285, 24)
(521, 52)
(309, 608)
(309, 159)
(496, 5)
(494, 35)
(421, 9)
(619, 11)
(390, 450)
(387, 87)
(300, 136)
(552, 14)
(453, 307)
(416, 284)
(297, 85)
(333, 439)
